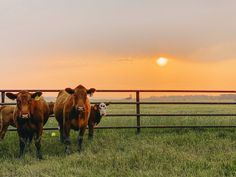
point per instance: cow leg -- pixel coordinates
(91, 130)
(67, 141)
(30, 141)
(37, 139)
(38, 147)
(22, 142)
(80, 138)
(3, 132)
(22, 145)
(61, 133)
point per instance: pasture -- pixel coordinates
(153, 152)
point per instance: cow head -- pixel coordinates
(79, 95)
(101, 108)
(24, 102)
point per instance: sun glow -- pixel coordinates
(162, 61)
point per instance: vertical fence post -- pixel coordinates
(3, 97)
(138, 111)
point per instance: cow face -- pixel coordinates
(23, 102)
(102, 108)
(79, 95)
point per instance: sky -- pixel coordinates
(110, 44)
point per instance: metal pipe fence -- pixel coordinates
(138, 102)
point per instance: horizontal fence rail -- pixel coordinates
(181, 103)
(138, 113)
(152, 126)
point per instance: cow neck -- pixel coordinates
(24, 121)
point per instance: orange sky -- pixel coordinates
(130, 73)
(57, 44)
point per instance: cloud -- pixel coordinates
(188, 29)
(126, 60)
(221, 51)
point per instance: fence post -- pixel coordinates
(138, 111)
(3, 97)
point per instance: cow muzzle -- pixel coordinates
(25, 116)
(103, 114)
(80, 109)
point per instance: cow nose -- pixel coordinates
(25, 116)
(103, 113)
(80, 108)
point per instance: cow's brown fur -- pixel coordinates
(6, 119)
(69, 116)
(51, 107)
(32, 126)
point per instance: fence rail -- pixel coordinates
(138, 102)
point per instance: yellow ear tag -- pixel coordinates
(37, 98)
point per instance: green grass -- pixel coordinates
(154, 152)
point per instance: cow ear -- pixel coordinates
(36, 95)
(11, 96)
(107, 104)
(70, 91)
(91, 91)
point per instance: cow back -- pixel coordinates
(61, 100)
(6, 116)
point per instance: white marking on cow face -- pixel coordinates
(102, 109)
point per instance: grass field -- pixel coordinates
(154, 152)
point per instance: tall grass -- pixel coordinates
(154, 152)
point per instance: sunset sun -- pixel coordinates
(162, 61)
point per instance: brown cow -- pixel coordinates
(72, 110)
(97, 112)
(30, 114)
(51, 108)
(6, 119)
